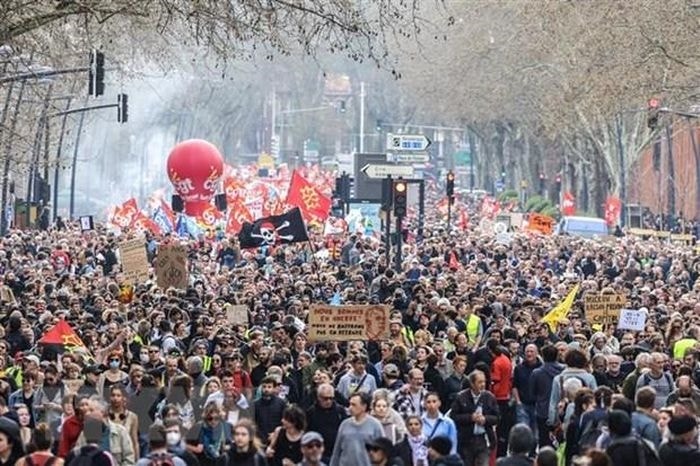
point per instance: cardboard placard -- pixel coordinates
(134, 260)
(603, 308)
(631, 319)
(541, 223)
(346, 323)
(171, 267)
(237, 314)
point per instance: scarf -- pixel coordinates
(418, 449)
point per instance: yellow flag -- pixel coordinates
(561, 310)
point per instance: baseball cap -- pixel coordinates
(391, 370)
(310, 437)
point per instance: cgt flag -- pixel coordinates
(276, 229)
(314, 206)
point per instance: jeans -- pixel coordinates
(505, 423)
(525, 414)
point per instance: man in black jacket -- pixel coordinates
(268, 409)
(682, 447)
(325, 417)
(475, 413)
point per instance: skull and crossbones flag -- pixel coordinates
(273, 230)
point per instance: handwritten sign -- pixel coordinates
(171, 267)
(604, 308)
(540, 223)
(134, 260)
(345, 323)
(631, 319)
(236, 314)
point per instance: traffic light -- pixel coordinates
(557, 182)
(122, 108)
(400, 198)
(96, 74)
(653, 106)
(342, 108)
(450, 184)
(342, 187)
(379, 126)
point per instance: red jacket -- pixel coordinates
(501, 377)
(70, 431)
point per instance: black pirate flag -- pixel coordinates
(275, 229)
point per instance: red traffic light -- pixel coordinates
(653, 103)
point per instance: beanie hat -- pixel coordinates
(679, 425)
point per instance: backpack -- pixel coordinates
(646, 378)
(646, 453)
(163, 459)
(84, 458)
(50, 461)
(588, 437)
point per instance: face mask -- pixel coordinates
(144, 358)
(173, 438)
(114, 364)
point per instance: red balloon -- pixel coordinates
(195, 168)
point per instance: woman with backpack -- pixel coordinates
(43, 439)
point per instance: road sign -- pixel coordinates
(407, 157)
(407, 142)
(382, 171)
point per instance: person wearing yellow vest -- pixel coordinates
(682, 346)
(475, 329)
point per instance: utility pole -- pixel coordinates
(362, 117)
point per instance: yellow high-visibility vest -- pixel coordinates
(473, 325)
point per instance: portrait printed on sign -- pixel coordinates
(376, 323)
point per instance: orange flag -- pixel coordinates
(313, 204)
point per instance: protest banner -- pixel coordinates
(134, 260)
(346, 323)
(237, 314)
(603, 308)
(631, 319)
(171, 267)
(540, 223)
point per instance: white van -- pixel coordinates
(586, 227)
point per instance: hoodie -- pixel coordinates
(541, 386)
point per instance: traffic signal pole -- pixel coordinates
(399, 239)
(387, 226)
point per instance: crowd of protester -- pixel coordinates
(469, 375)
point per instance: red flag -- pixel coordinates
(237, 215)
(454, 263)
(313, 204)
(141, 222)
(62, 334)
(167, 211)
(464, 219)
(613, 208)
(209, 216)
(234, 189)
(568, 204)
(123, 215)
(490, 207)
